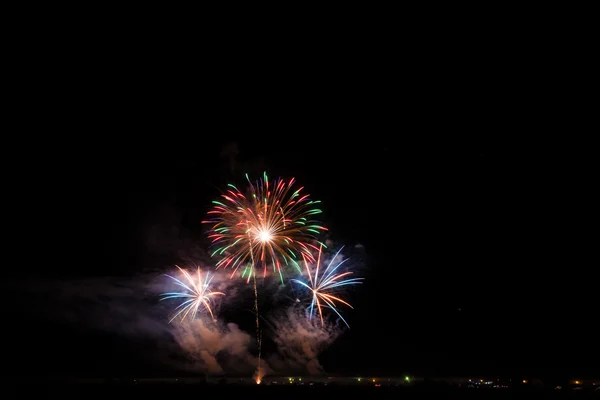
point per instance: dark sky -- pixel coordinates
(473, 259)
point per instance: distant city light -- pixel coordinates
(577, 382)
(524, 380)
(406, 378)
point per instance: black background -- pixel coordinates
(475, 236)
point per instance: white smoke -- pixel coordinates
(300, 340)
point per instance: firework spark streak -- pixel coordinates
(272, 223)
(197, 293)
(325, 286)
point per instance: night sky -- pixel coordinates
(473, 259)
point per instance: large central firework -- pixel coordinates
(271, 225)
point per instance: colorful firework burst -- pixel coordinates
(197, 293)
(324, 286)
(271, 225)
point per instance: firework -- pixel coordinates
(324, 286)
(271, 225)
(196, 293)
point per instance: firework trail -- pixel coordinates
(270, 224)
(259, 373)
(273, 223)
(325, 286)
(196, 292)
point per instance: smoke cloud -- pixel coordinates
(129, 307)
(300, 340)
(214, 347)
